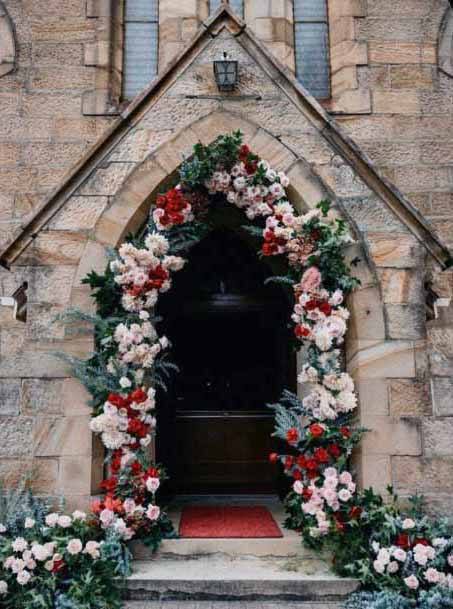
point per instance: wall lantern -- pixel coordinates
(226, 73)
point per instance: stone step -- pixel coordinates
(228, 605)
(245, 578)
(287, 546)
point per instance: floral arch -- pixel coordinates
(131, 361)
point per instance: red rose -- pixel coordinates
(301, 461)
(312, 474)
(136, 467)
(334, 450)
(273, 458)
(116, 400)
(297, 474)
(138, 396)
(312, 465)
(422, 541)
(403, 541)
(58, 565)
(269, 249)
(321, 455)
(301, 331)
(316, 430)
(289, 462)
(355, 512)
(325, 308)
(311, 305)
(345, 432)
(292, 435)
(244, 152)
(110, 484)
(152, 472)
(307, 494)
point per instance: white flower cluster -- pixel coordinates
(396, 561)
(337, 489)
(144, 273)
(113, 422)
(28, 556)
(138, 343)
(241, 189)
(333, 397)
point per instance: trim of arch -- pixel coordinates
(7, 43)
(445, 43)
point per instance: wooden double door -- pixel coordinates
(230, 342)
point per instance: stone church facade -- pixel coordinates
(80, 167)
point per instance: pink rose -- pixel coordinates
(153, 512)
(311, 279)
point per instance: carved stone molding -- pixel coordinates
(7, 43)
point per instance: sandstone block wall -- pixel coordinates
(390, 97)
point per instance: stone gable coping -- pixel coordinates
(225, 19)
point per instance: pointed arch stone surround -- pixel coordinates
(7, 43)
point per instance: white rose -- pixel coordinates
(19, 544)
(2, 528)
(153, 512)
(344, 495)
(3, 587)
(106, 517)
(29, 523)
(40, 552)
(152, 484)
(411, 582)
(298, 487)
(92, 548)
(379, 567)
(74, 546)
(64, 521)
(408, 523)
(399, 554)
(392, 567)
(125, 382)
(78, 515)
(23, 577)
(383, 556)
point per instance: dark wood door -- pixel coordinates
(231, 346)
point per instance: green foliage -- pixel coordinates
(19, 503)
(106, 292)
(206, 159)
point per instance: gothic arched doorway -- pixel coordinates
(231, 342)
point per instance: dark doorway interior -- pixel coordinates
(231, 343)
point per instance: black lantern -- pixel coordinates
(226, 73)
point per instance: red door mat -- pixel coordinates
(227, 522)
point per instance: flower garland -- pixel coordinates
(368, 538)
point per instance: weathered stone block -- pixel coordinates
(373, 397)
(437, 437)
(106, 181)
(10, 395)
(16, 437)
(54, 247)
(442, 391)
(406, 321)
(409, 398)
(374, 471)
(396, 102)
(422, 475)
(40, 396)
(63, 436)
(79, 213)
(389, 359)
(367, 317)
(51, 284)
(397, 251)
(401, 286)
(390, 437)
(75, 398)
(74, 476)
(441, 351)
